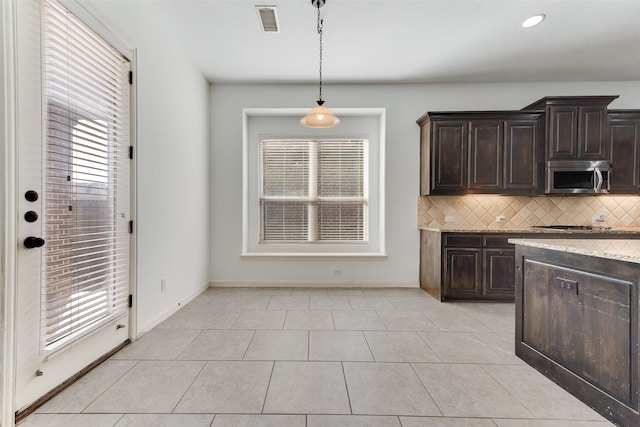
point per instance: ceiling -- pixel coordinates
(396, 41)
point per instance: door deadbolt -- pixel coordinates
(31, 196)
(31, 216)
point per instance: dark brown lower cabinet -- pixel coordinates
(463, 272)
(499, 272)
(577, 323)
(477, 267)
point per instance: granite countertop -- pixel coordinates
(529, 230)
(620, 250)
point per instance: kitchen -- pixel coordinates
(568, 149)
(209, 234)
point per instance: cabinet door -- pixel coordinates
(521, 156)
(592, 138)
(625, 155)
(583, 321)
(462, 278)
(449, 157)
(485, 155)
(425, 160)
(562, 132)
(499, 273)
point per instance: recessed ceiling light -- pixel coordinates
(534, 20)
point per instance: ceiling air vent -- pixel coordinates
(268, 19)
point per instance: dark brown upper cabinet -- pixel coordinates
(576, 126)
(486, 137)
(481, 152)
(447, 155)
(624, 134)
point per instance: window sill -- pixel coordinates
(308, 255)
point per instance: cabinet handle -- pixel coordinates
(567, 284)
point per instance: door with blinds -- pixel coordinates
(74, 190)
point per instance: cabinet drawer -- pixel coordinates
(463, 240)
(499, 240)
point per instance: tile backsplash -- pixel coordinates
(524, 211)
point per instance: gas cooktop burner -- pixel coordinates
(573, 227)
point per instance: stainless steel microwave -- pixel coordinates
(578, 177)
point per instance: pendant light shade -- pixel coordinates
(319, 116)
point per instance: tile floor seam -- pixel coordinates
(105, 390)
(368, 346)
(266, 392)
(431, 348)
(435, 403)
(189, 343)
(346, 387)
(524, 405)
(244, 354)
(119, 419)
(186, 390)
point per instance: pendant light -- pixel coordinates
(319, 116)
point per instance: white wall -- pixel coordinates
(172, 165)
(404, 104)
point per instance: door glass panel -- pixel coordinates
(85, 179)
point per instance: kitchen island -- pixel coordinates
(577, 319)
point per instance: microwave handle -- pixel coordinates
(599, 180)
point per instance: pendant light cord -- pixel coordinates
(320, 22)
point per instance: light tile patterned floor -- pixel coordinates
(291, 357)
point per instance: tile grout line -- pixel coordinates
(346, 387)
(107, 389)
(249, 345)
(427, 344)
(266, 393)
(204, 364)
(426, 388)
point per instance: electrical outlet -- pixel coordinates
(599, 218)
(449, 218)
(501, 218)
(163, 285)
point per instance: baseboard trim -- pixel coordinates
(167, 313)
(298, 284)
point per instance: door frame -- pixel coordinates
(9, 140)
(8, 208)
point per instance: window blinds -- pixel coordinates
(85, 178)
(313, 190)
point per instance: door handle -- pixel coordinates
(599, 181)
(33, 242)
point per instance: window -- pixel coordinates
(313, 193)
(313, 190)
